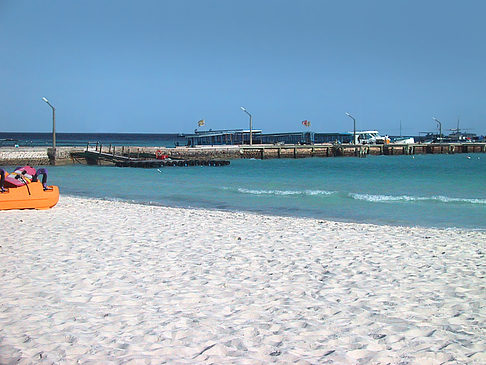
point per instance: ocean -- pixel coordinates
(80, 139)
(444, 191)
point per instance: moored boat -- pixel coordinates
(408, 140)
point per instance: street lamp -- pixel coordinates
(251, 138)
(354, 127)
(440, 127)
(53, 122)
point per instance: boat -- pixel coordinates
(10, 142)
(457, 136)
(23, 190)
(408, 140)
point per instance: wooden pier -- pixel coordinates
(219, 155)
(123, 157)
(214, 155)
(348, 150)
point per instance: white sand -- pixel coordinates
(102, 282)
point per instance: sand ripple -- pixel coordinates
(102, 282)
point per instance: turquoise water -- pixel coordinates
(445, 191)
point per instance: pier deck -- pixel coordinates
(143, 159)
(214, 155)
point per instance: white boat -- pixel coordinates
(409, 140)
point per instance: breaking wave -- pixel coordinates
(285, 192)
(407, 198)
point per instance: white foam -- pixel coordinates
(285, 192)
(446, 199)
(407, 198)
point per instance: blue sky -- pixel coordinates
(160, 66)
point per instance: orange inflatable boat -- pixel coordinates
(23, 190)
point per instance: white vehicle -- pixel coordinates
(370, 137)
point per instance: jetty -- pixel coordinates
(220, 155)
(129, 157)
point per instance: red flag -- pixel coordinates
(306, 123)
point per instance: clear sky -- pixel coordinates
(160, 66)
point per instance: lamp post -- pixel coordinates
(440, 127)
(354, 127)
(251, 127)
(53, 122)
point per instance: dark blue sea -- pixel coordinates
(446, 191)
(81, 139)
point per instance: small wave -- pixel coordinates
(446, 199)
(285, 192)
(407, 198)
(383, 198)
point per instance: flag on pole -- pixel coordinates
(200, 123)
(306, 123)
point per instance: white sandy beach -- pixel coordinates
(108, 282)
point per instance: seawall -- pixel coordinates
(11, 156)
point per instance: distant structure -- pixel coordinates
(222, 137)
(242, 136)
(305, 138)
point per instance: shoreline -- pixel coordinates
(101, 281)
(274, 214)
